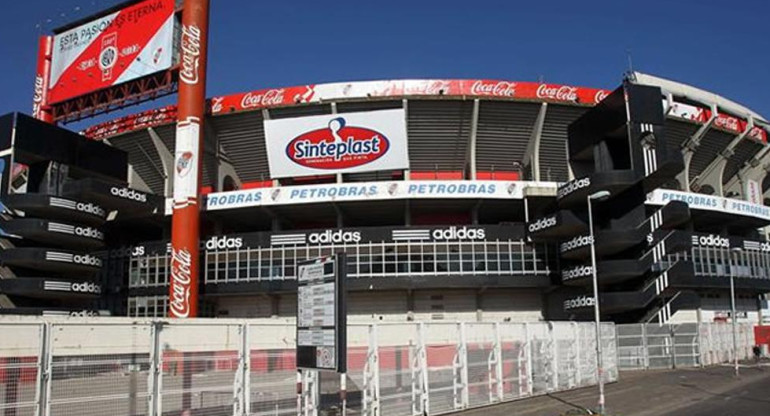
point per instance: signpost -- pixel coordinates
(322, 320)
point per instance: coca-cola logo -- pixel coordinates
(600, 95)
(427, 88)
(37, 100)
(557, 92)
(727, 122)
(497, 89)
(181, 277)
(216, 104)
(262, 98)
(338, 146)
(191, 51)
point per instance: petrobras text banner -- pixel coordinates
(337, 143)
(371, 191)
(710, 203)
(116, 48)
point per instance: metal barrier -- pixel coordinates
(646, 346)
(242, 368)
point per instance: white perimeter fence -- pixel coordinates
(119, 367)
(645, 346)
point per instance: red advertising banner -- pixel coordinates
(119, 47)
(525, 91)
(185, 220)
(143, 120)
(475, 88)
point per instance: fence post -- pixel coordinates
(420, 386)
(155, 376)
(499, 366)
(578, 376)
(554, 356)
(672, 335)
(530, 370)
(242, 387)
(42, 399)
(645, 348)
(461, 366)
(371, 390)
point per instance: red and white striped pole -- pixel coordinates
(185, 221)
(40, 109)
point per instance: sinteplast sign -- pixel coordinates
(337, 143)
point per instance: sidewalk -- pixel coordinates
(693, 391)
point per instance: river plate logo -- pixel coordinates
(337, 146)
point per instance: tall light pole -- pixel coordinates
(734, 252)
(597, 196)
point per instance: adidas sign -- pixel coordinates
(128, 194)
(86, 287)
(572, 187)
(90, 209)
(712, 240)
(88, 260)
(222, 243)
(577, 242)
(580, 302)
(574, 273)
(542, 224)
(454, 233)
(338, 236)
(89, 232)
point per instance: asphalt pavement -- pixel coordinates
(712, 391)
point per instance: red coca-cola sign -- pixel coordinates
(181, 279)
(557, 92)
(337, 146)
(494, 88)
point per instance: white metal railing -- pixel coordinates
(645, 346)
(240, 368)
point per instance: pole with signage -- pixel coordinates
(40, 109)
(185, 221)
(322, 318)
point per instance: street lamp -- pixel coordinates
(734, 252)
(597, 196)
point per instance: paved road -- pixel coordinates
(688, 392)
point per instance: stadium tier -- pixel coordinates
(453, 199)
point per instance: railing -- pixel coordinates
(227, 367)
(365, 260)
(647, 346)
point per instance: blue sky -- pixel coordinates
(722, 46)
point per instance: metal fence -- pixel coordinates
(645, 346)
(228, 367)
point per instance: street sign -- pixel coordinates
(322, 314)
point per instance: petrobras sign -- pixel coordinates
(122, 46)
(363, 191)
(337, 143)
(710, 203)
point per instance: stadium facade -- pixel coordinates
(453, 199)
